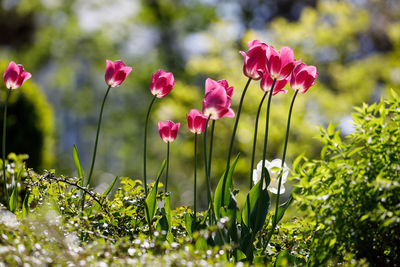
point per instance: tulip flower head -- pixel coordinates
(168, 130)
(255, 60)
(267, 81)
(116, 72)
(15, 75)
(280, 64)
(196, 121)
(162, 83)
(303, 77)
(273, 167)
(217, 101)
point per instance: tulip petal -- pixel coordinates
(109, 71)
(287, 56)
(23, 77)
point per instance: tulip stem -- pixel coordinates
(166, 171)
(255, 139)
(228, 160)
(275, 218)
(4, 150)
(195, 178)
(209, 167)
(211, 148)
(206, 170)
(145, 146)
(97, 137)
(266, 129)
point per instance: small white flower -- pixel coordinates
(273, 168)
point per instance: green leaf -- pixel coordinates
(188, 224)
(109, 188)
(13, 200)
(394, 94)
(19, 174)
(284, 259)
(78, 165)
(257, 205)
(297, 161)
(223, 190)
(168, 215)
(282, 208)
(25, 204)
(357, 149)
(151, 200)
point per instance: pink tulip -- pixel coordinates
(162, 83)
(217, 101)
(303, 77)
(116, 72)
(196, 121)
(280, 64)
(15, 75)
(266, 84)
(255, 60)
(168, 130)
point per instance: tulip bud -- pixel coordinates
(280, 64)
(15, 75)
(267, 81)
(217, 102)
(303, 77)
(116, 72)
(255, 60)
(168, 130)
(162, 83)
(274, 169)
(196, 121)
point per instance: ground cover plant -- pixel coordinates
(48, 218)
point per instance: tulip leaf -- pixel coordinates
(25, 204)
(19, 174)
(78, 165)
(257, 204)
(151, 200)
(282, 208)
(168, 215)
(223, 190)
(110, 187)
(13, 200)
(188, 224)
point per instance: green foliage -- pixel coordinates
(223, 191)
(352, 193)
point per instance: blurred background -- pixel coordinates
(64, 44)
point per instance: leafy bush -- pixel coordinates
(353, 192)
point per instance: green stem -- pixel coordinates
(275, 220)
(195, 177)
(211, 148)
(255, 139)
(228, 160)
(166, 171)
(97, 138)
(145, 145)
(7, 198)
(209, 170)
(205, 162)
(266, 129)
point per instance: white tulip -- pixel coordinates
(273, 168)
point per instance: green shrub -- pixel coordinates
(353, 192)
